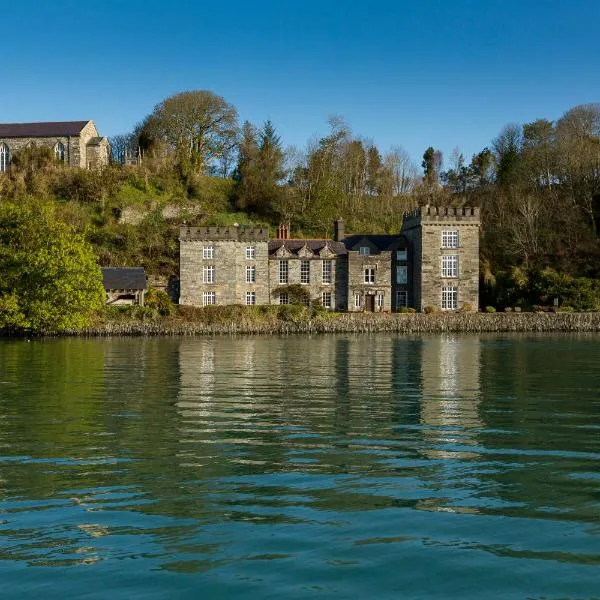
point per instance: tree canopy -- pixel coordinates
(198, 123)
(50, 277)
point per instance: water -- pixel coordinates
(341, 466)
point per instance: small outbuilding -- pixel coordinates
(124, 285)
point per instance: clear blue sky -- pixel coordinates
(419, 73)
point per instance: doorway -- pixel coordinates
(370, 303)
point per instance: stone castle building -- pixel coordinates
(433, 262)
(76, 143)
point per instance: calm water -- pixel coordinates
(341, 466)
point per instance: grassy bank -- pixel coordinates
(296, 319)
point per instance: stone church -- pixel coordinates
(433, 262)
(76, 143)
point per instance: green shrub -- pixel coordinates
(160, 301)
(566, 308)
(490, 309)
(428, 310)
(407, 310)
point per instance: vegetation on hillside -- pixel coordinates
(538, 186)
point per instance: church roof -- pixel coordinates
(44, 129)
(124, 278)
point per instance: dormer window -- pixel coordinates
(59, 151)
(364, 250)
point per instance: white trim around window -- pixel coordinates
(450, 239)
(209, 298)
(208, 252)
(208, 274)
(449, 297)
(250, 298)
(450, 265)
(250, 273)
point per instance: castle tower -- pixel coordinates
(444, 257)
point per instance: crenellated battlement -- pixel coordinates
(232, 233)
(440, 214)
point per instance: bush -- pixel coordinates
(566, 308)
(490, 309)
(160, 301)
(508, 309)
(428, 310)
(466, 307)
(407, 310)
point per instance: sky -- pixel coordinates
(414, 74)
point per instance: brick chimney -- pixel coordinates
(338, 230)
(283, 232)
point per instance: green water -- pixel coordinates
(328, 467)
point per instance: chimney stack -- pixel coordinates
(338, 230)
(283, 232)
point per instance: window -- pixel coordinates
(250, 252)
(450, 239)
(449, 298)
(305, 271)
(380, 300)
(369, 275)
(401, 298)
(365, 250)
(208, 252)
(284, 298)
(450, 266)
(209, 298)
(401, 274)
(4, 158)
(327, 271)
(357, 300)
(250, 298)
(326, 299)
(401, 255)
(283, 272)
(208, 274)
(59, 151)
(250, 274)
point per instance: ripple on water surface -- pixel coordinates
(348, 466)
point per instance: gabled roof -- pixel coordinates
(381, 242)
(124, 278)
(45, 129)
(316, 246)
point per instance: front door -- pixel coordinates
(370, 303)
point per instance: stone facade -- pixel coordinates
(77, 143)
(443, 257)
(221, 265)
(433, 262)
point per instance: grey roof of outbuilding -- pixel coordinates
(45, 129)
(381, 242)
(314, 245)
(124, 278)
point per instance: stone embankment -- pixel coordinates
(360, 323)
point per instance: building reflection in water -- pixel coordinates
(450, 367)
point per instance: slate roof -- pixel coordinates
(381, 242)
(47, 129)
(315, 245)
(124, 278)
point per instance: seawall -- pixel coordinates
(359, 323)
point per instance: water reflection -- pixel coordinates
(218, 455)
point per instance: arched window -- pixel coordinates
(4, 157)
(59, 151)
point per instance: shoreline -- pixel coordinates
(352, 323)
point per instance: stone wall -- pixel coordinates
(71, 144)
(229, 259)
(357, 263)
(315, 287)
(424, 230)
